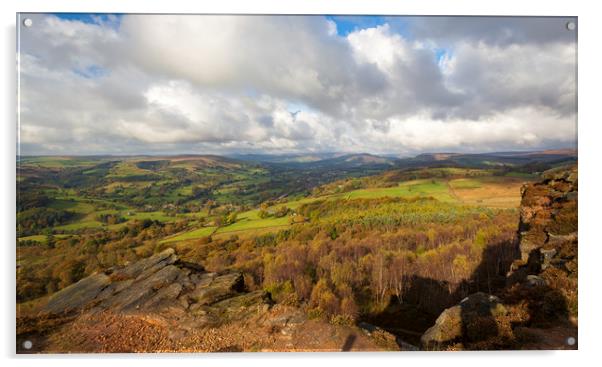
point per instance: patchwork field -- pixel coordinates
(494, 192)
(158, 189)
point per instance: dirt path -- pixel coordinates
(453, 192)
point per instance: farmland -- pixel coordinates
(189, 203)
(198, 190)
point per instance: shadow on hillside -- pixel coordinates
(426, 298)
(349, 343)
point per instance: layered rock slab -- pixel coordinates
(159, 283)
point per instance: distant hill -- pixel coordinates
(436, 159)
(532, 161)
(286, 158)
(198, 161)
(355, 160)
(546, 158)
(322, 160)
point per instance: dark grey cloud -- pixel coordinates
(497, 31)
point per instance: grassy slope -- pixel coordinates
(465, 183)
(245, 224)
(197, 233)
(417, 188)
(58, 162)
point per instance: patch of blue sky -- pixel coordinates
(442, 54)
(400, 25)
(252, 92)
(108, 19)
(397, 24)
(350, 23)
(91, 72)
(295, 107)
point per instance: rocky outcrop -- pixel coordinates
(78, 295)
(161, 284)
(477, 317)
(216, 288)
(161, 304)
(541, 289)
(548, 225)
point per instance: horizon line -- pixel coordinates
(573, 149)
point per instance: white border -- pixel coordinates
(590, 155)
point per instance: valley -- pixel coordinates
(346, 242)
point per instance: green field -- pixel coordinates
(58, 162)
(79, 225)
(72, 205)
(126, 169)
(417, 188)
(41, 238)
(465, 183)
(247, 224)
(197, 233)
(160, 216)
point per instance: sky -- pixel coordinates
(199, 84)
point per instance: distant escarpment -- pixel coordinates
(537, 309)
(163, 304)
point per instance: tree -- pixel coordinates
(50, 241)
(349, 308)
(199, 192)
(281, 212)
(397, 273)
(378, 276)
(230, 218)
(296, 218)
(324, 299)
(210, 205)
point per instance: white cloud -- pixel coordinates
(494, 78)
(218, 84)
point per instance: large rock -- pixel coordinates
(242, 306)
(476, 318)
(447, 329)
(212, 290)
(146, 267)
(77, 295)
(143, 290)
(162, 284)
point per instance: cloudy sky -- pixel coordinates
(156, 84)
